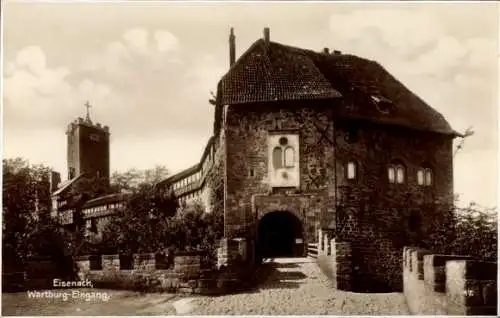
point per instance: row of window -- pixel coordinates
(186, 181)
(396, 173)
(192, 195)
(103, 208)
(196, 176)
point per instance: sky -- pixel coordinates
(148, 69)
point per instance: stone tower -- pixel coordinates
(88, 148)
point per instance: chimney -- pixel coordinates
(266, 35)
(232, 48)
(326, 50)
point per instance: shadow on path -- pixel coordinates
(276, 274)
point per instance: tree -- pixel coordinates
(143, 225)
(27, 227)
(475, 232)
(133, 178)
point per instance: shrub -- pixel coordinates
(476, 233)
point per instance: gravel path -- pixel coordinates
(297, 286)
(119, 303)
(288, 287)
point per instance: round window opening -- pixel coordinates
(283, 141)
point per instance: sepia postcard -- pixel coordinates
(249, 158)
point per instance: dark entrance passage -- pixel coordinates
(280, 235)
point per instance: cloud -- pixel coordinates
(33, 58)
(137, 40)
(403, 31)
(156, 85)
(483, 54)
(37, 96)
(205, 72)
(455, 74)
(166, 41)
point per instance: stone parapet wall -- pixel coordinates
(341, 254)
(186, 275)
(334, 258)
(239, 252)
(448, 284)
(144, 261)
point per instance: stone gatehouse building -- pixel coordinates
(307, 140)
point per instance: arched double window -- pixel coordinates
(425, 176)
(396, 173)
(283, 155)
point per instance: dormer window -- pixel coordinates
(396, 173)
(382, 103)
(425, 177)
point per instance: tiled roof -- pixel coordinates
(180, 175)
(66, 185)
(106, 199)
(271, 71)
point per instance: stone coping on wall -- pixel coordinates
(435, 284)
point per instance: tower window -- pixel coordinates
(277, 157)
(289, 157)
(94, 137)
(400, 175)
(396, 173)
(71, 173)
(391, 174)
(425, 177)
(284, 158)
(352, 170)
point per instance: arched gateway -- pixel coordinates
(279, 235)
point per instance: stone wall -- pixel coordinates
(36, 273)
(307, 208)
(237, 252)
(186, 275)
(334, 258)
(448, 284)
(377, 217)
(247, 163)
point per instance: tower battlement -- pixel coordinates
(80, 121)
(88, 147)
